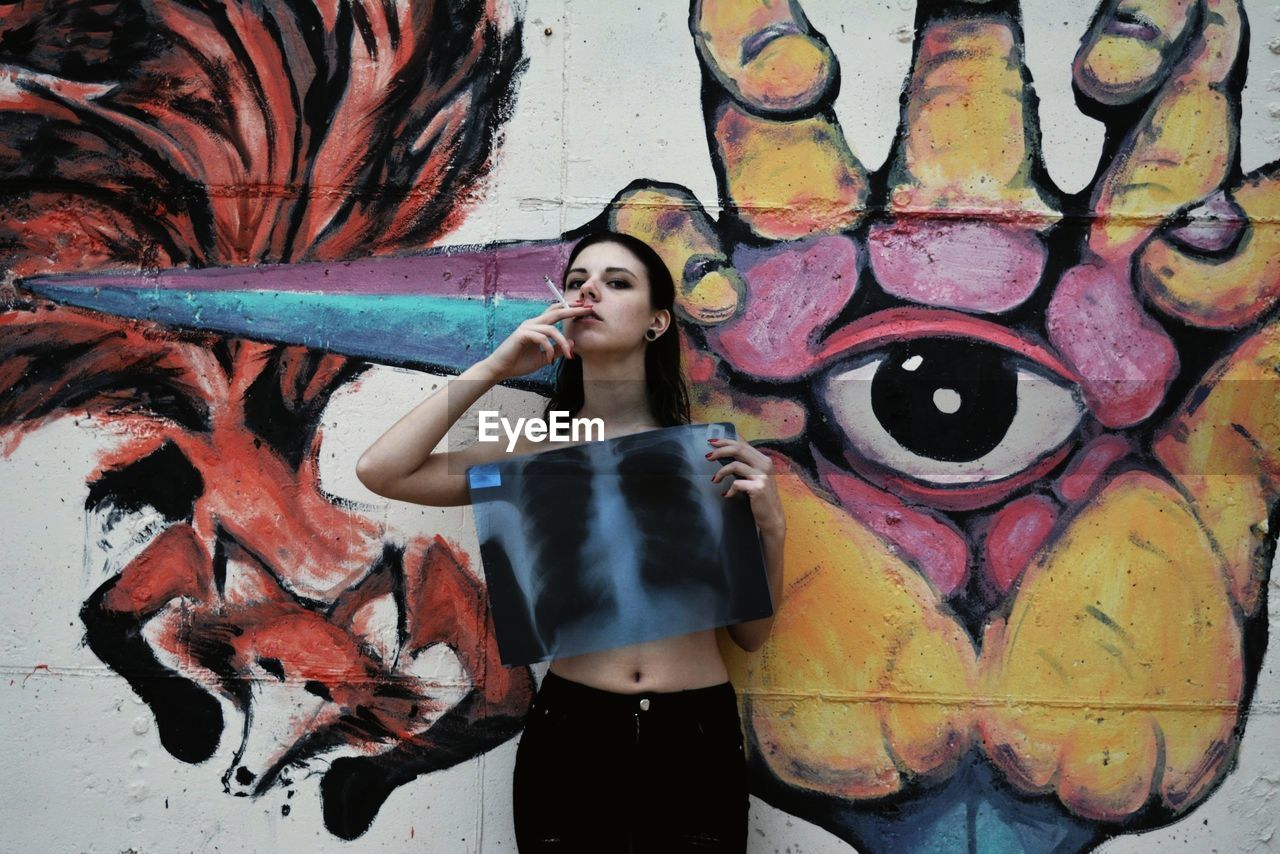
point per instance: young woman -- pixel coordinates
(631, 749)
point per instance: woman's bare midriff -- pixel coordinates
(669, 664)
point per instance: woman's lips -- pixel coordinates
(755, 43)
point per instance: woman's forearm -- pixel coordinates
(409, 443)
(403, 465)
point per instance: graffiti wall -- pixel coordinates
(995, 283)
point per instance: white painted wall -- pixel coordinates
(610, 95)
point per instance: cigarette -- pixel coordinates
(555, 293)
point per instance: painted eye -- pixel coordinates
(951, 412)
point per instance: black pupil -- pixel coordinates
(945, 400)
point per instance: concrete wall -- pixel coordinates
(1034, 622)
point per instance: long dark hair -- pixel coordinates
(664, 380)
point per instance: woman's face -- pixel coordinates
(614, 282)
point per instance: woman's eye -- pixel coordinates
(951, 412)
(619, 283)
(572, 286)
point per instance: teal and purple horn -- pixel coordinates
(441, 310)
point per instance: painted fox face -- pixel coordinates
(352, 681)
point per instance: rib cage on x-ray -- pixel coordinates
(557, 540)
(607, 544)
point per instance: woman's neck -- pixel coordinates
(615, 392)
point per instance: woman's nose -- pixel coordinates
(590, 289)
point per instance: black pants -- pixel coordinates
(652, 772)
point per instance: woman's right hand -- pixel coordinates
(534, 344)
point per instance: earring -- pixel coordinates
(651, 334)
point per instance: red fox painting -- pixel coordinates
(343, 680)
(259, 592)
(158, 134)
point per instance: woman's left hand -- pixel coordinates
(753, 477)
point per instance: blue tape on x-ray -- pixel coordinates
(484, 476)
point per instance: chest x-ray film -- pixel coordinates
(607, 544)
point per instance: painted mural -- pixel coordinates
(173, 134)
(1032, 438)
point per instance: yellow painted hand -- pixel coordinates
(1071, 598)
